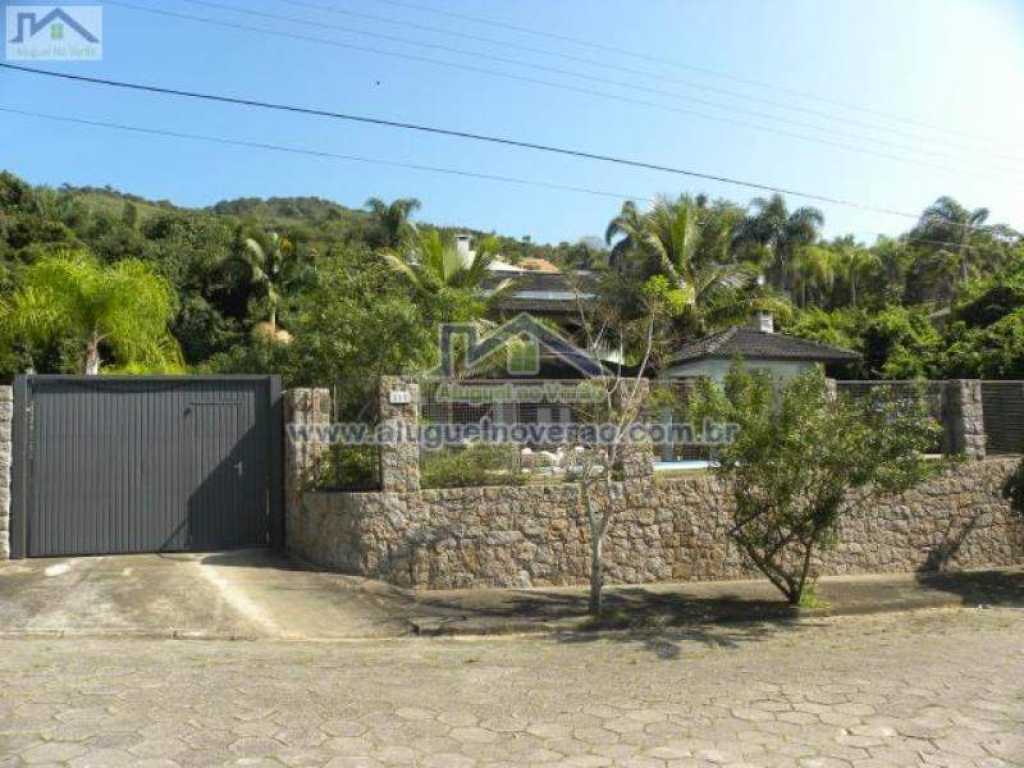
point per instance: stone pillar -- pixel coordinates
(636, 455)
(6, 459)
(962, 418)
(302, 451)
(399, 404)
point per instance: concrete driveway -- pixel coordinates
(240, 594)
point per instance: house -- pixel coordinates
(760, 347)
(540, 288)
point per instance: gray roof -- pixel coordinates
(753, 344)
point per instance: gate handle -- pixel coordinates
(238, 467)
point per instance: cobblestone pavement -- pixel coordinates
(927, 689)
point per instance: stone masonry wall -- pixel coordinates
(6, 422)
(301, 407)
(672, 529)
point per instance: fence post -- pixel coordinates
(963, 419)
(399, 401)
(831, 389)
(301, 407)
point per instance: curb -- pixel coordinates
(470, 626)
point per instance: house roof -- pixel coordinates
(754, 344)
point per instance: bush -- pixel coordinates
(802, 460)
(475, 465)
(347, 468)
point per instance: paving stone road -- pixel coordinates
(927, 689)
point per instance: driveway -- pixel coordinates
(240, 594)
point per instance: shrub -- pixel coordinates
(802, 459)
(475, 465)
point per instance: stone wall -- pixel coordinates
(6, 458)
(301, 407)
(671, 529)
(963, 419)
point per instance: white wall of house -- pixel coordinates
(717, 368)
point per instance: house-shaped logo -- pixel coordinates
(54, 33)
(523, 341)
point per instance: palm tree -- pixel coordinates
(947, 221)
(854, 262)
(391, 220)
(628, 227)
(451, 287)
(673, 240)
(812, 266)
(273, 266)
(71, 298)
(774, 227)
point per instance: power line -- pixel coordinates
(549, 148)
(323, 154)
(641, 72)
(575, 74)
(560, 86)
(682, 65)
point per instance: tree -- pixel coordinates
(774, 227)
(390, 221)
(687, 244)
(450, 286)
(72, 299)
(273, 265)
(854, 263)
(802, 460)
(947, 221)
(616, 407)
(812, 266)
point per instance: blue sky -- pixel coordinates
(940, 84)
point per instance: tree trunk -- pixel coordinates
(92, 357)
(596, 573)
(273, 322)
(853, 292)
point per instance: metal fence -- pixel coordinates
(345, 467)
(911, 392)
(1003, 407)
(672, 397)
(501, 404)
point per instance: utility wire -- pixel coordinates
(320, 153)
(633, 86)
(164, 133)
(682, 65)
(560, 86)
(548, 148)
(643, 73)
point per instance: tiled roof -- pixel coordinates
(759, 345)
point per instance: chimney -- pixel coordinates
(462, 242)
(765, 322)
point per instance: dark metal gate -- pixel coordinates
(145, 464)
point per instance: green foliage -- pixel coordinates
(801, 460)
(75, 301)
(475, 465)
(1013, 489)
(346, 468)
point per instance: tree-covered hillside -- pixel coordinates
(318, 292)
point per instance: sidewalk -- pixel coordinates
(507, 611)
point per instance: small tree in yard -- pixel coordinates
(617, 405)
(802, 459)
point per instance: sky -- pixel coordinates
(887, 105)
